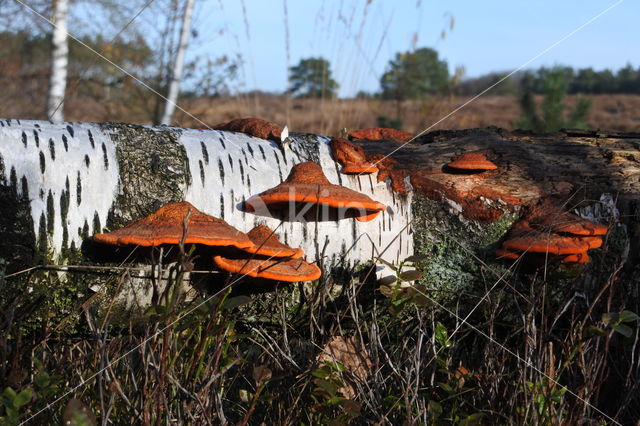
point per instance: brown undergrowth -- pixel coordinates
(328, 116)
(529, 346)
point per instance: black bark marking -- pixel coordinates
(24, 139)
(275, 154)
(87, 160)
(244, 154)
(25, 188)
(97, 228)
(65, 142)
(42, 162)
(264, 156)
(370, 183)
(51, 212)
(67, 185)
(70, 130)
(354, 230)
(85, 230)
(36, 138)
(41, 194)
(230, 162)
(222, 142)
(93, 144)
(250, 149)
(42, 234)
(359, 183)
(105, 157)
(205, 153)
(249, 184)
(221, 206)
(201, 171)
(64, 210)
(338, 173)
(221, 170)
(241, 170)
(13, 180)
(52, 149)
(79, 189)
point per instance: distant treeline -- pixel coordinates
(584, 80)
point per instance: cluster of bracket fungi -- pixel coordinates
(258, 254)
(545, 229)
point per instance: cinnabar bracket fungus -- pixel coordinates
(266, 243)
(351, 156)
(306, 194)
(167, 226)
(470, 163)
(380, 133)
(550, 231)
(273, 260)
(254, 127)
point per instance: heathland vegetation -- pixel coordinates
(537, 346)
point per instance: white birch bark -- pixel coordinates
(59, 61)
(176, 74)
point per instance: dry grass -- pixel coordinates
(328, 116)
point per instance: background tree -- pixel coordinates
(551, 117)
(311, 78)
(59, 61)
(413, 75)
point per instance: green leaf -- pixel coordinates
(9, 393)
(445, 387)
(411, 275)
(42, 380)
(23, 398)
(388, 280)
(609, 318)
(386, 291)
(417, 258)
(473, 419)
(628, 316)
(625, 330)
(321, 373)
(594, 331)
(442, 336)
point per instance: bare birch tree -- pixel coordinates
(178, 64)
(59, 61)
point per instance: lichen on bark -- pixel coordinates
(154, 170)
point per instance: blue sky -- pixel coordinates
(359, 37)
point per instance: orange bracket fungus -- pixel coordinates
(352, 157)
(167, 226)
(469, 163)
(547, 229)
(281, 268)
(380, 133)
(254, 127)
(266, 243)
(307, 184)
(277, 269)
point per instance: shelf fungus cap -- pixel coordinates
(380, 133)
(277, 269)
(576, 258)
(507, 254)
(472, 162)
(266, 243)
(307, 183)
(351, 156)
(546, 243)
(254, 127)
(575, 225)
(166, 226)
